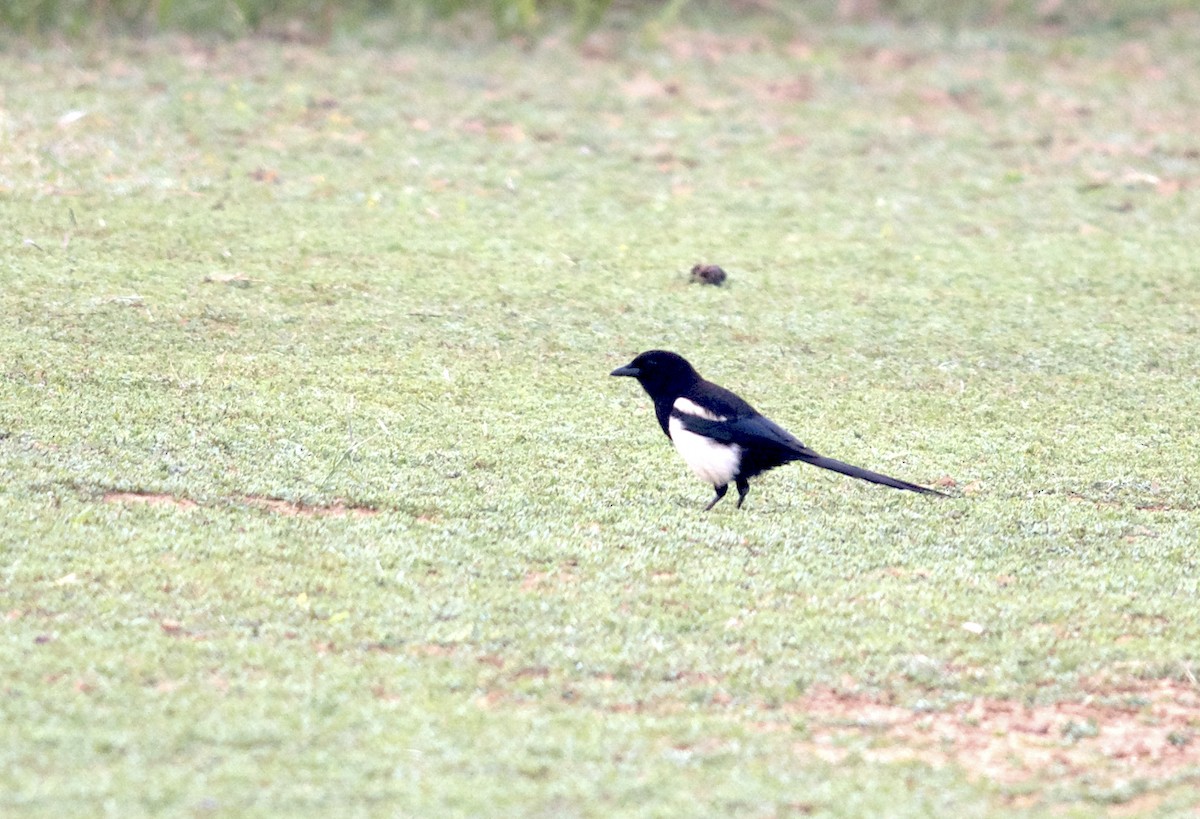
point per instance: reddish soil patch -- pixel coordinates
(535, 581)
(337, 509)
(1155, 736)
(1121, 732)
(150, 498)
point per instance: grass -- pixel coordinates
(319, 20)
(316, 495)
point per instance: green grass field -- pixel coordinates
(316, 497)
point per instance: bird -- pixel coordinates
(720, 436)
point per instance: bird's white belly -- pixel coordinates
(712, 461)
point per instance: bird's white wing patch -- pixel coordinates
(689, 407)
(712, 461)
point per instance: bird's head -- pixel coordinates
(660, 373)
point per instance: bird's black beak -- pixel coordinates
(632, 372)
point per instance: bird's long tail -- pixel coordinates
(867, 475)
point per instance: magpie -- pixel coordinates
(721, 437)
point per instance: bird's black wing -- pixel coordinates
(748, 432)
(758, 433)
(718, 400)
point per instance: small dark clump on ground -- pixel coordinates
(708, 274)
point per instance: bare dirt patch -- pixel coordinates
(1131, 738)
(150, 498)
(337, 509)
(277, 506)
(535, 581)
(1152, 733)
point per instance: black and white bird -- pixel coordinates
(722, 438)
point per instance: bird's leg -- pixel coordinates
(743, 486)
(721, 490)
